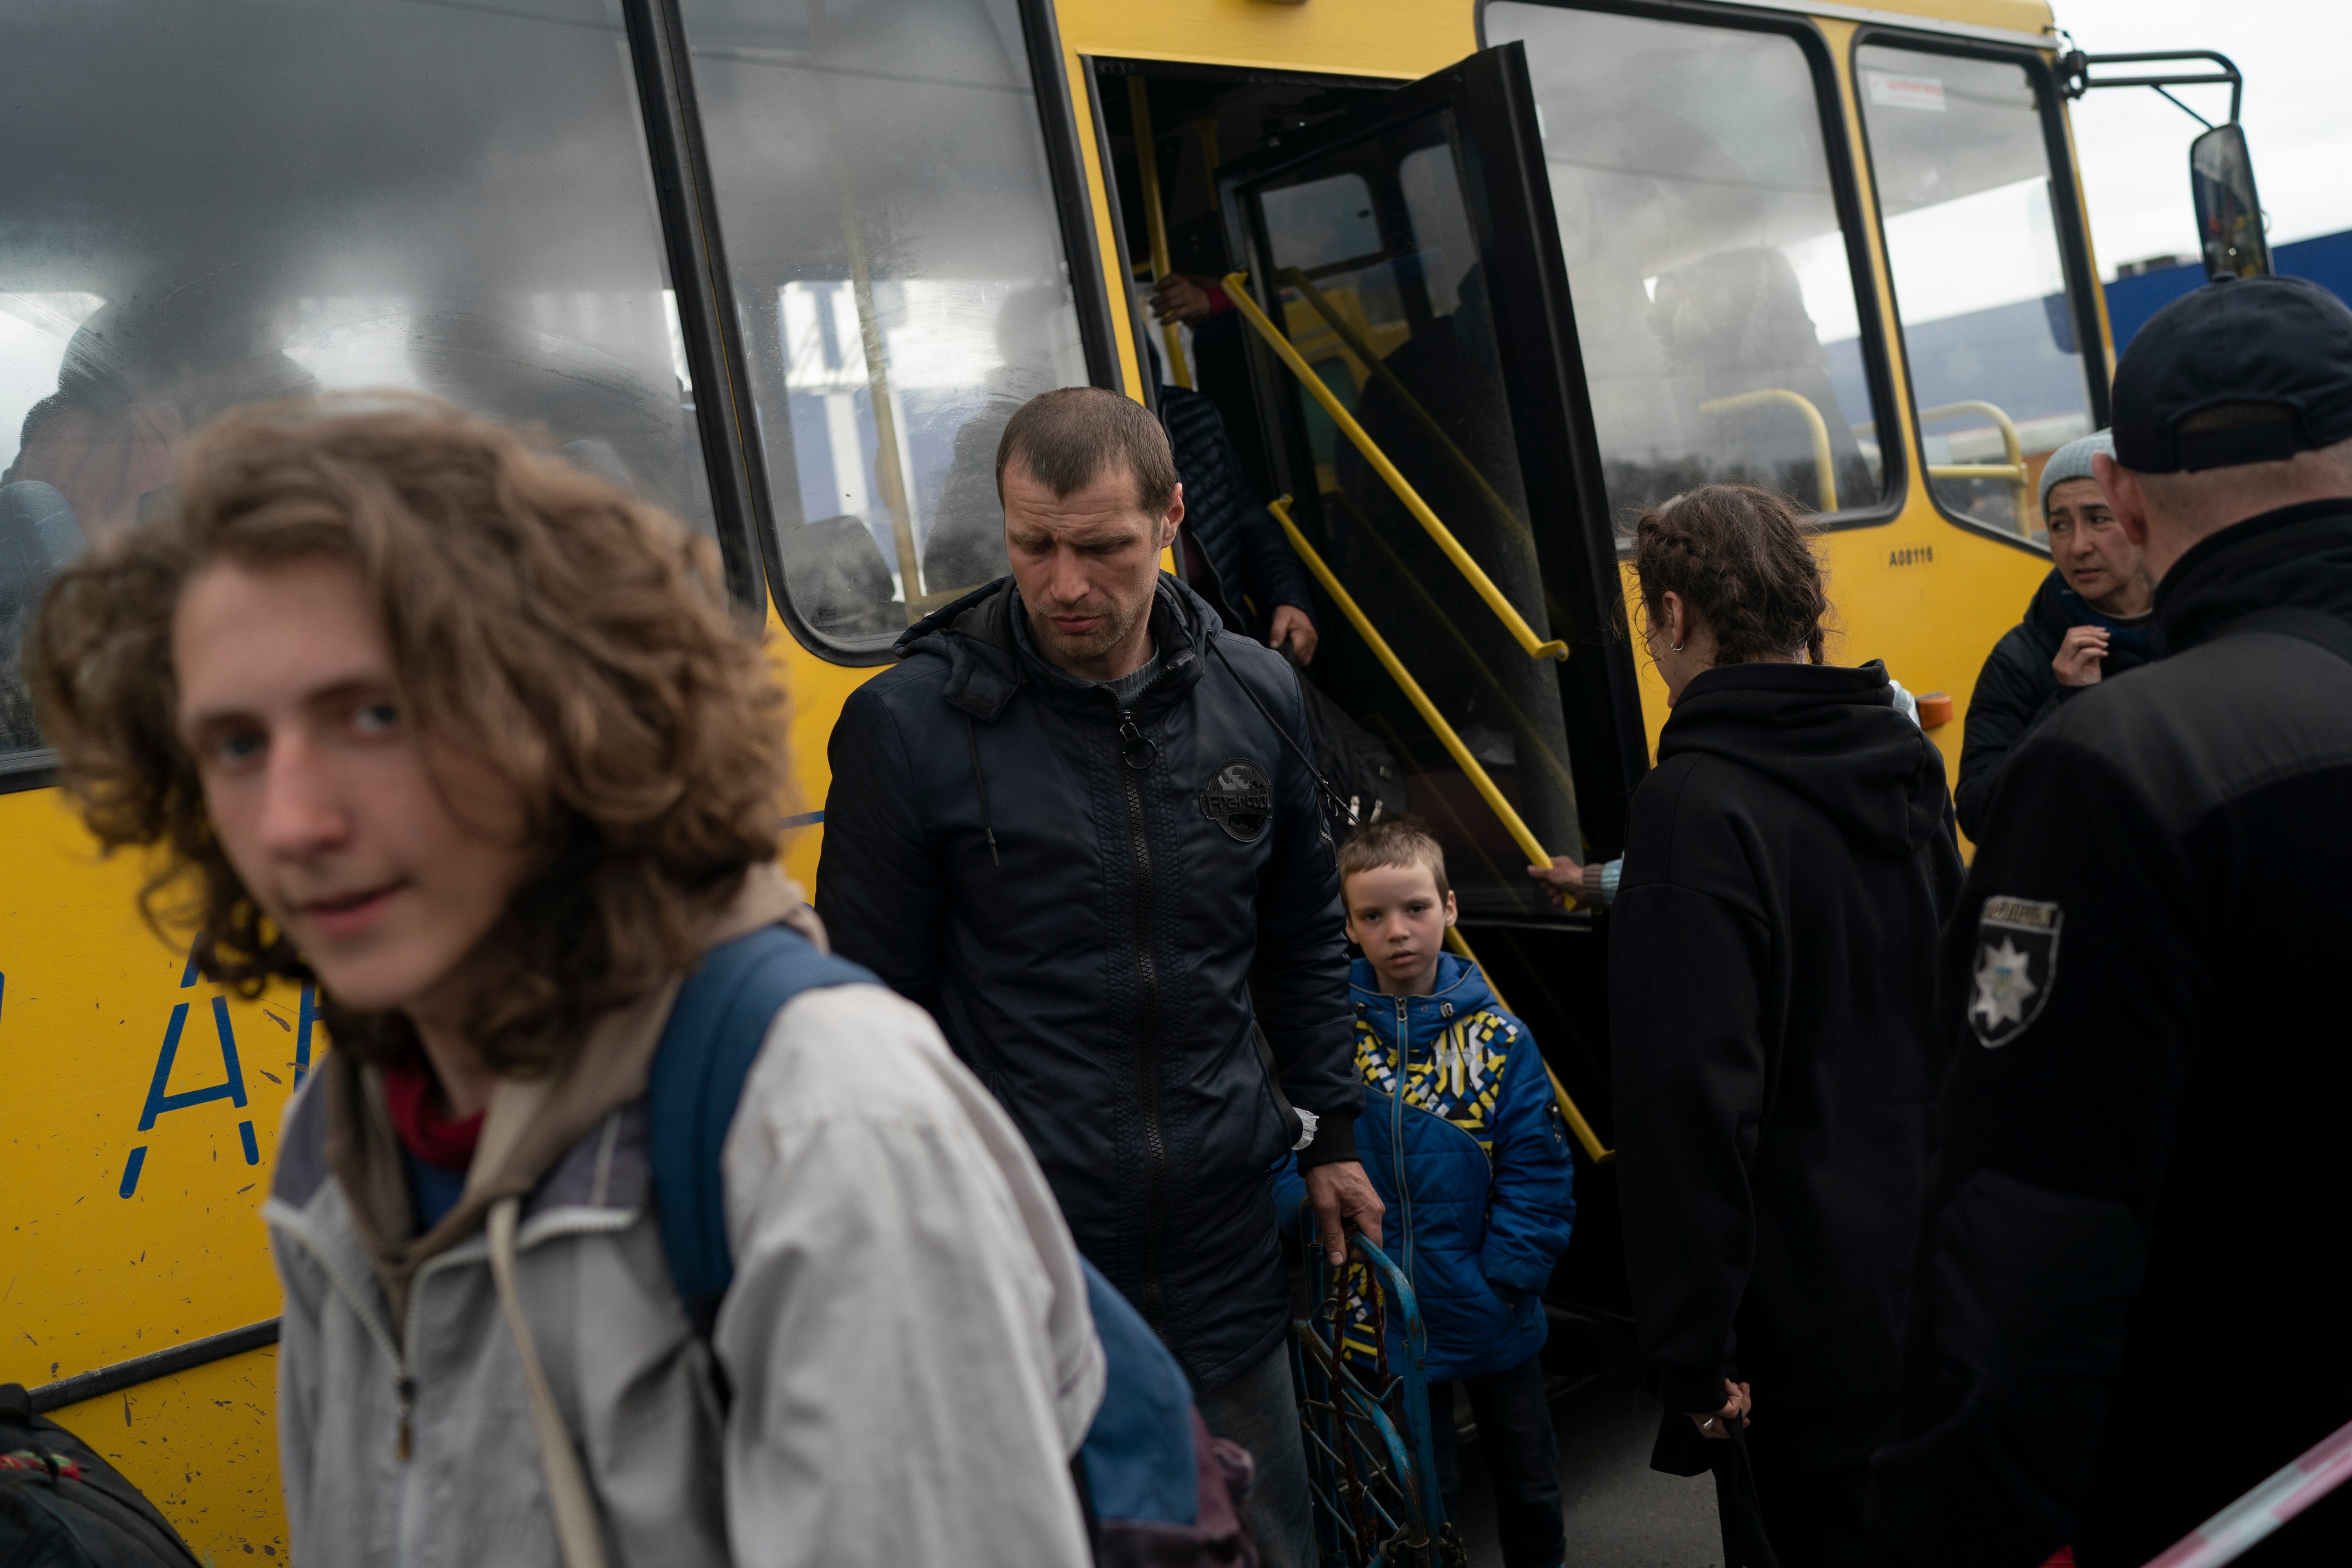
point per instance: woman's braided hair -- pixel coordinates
(1741, 557)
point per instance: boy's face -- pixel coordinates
(343, 824)
(1395, 915)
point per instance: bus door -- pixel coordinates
(1423, 405)
(1418, 371)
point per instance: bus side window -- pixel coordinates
(1959, 150)
(1712, 275)
(889, 219)
(244, 202)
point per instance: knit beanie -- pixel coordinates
(2073, 461)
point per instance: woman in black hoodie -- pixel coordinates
(1789, 863)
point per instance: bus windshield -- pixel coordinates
(1961, 156)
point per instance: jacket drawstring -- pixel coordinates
(972, 735)
(577, 1533)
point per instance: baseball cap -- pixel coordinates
(2282, 341)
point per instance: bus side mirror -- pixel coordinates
(2228, 214)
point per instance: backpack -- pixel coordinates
(1155, 1486)
(62, 1506)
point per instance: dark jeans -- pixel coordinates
(1259, 1410)
(1522, 1454)
(1813, 1517)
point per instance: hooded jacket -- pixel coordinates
(1249, 562)
(2132, 1302)
(1472, 1161)
(1098, 919)
(2018, 687)
(907, 1318)
(1772, 961)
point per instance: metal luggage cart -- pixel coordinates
(1370, 1465)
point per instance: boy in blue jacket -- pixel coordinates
(1472, 1161)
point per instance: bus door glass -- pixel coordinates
(882, 184)
(1405, 259)
(219, 204)
(1979, 232)
(1711, 255)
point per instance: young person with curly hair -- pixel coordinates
(396, 704)
(1771, 958)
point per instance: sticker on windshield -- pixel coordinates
(1889, 90)
(2016, 966)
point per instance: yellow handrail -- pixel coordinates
(1512, 822)
(1346, 333)
(1576, 1122)
(1824, 466)
(2011, 445)
(1155, 221)
(1237, 289)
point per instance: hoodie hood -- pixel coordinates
(1830, 736)
(1458, 991)
(986, 665)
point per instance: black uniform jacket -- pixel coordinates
(2017, 689)
(2135, 1299)
(1770, 965)
(1093, 964)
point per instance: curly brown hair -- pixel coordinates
(578, 641)
(1742, 558)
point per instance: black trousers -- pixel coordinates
(1814, 1517)
(1522, 1454)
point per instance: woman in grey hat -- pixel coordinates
(2088, 620)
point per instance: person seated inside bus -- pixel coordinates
(2089, 619)
(1481, 1145)
(1735, 323)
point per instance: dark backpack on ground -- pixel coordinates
(62, 1506)
(1158, 1490)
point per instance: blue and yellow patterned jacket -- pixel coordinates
(1472, 1159)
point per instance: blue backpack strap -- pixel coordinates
(715, 1032)
(1138, 1459)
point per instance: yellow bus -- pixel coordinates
(1495, 276)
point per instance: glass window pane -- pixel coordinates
(1382, 290)
(1962, 166)
(1713, 292)
(891, 224)
(209, 205)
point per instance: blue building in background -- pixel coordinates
(2326, 260)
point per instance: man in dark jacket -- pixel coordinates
(2089, 619)
(2132, 1305)
(1070, 825)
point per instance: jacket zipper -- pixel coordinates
(1396, 1130)
(1146, 1034)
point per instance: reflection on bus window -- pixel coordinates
(1958, 150)
(883, 190)
(1711, 275)
(211, 206)
(1384, 292)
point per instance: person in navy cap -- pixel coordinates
(2133, 1301)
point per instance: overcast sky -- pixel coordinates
(2295, 55)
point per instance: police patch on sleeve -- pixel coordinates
(2016, 967)
(1240, 800)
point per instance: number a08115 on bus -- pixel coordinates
(787, 269)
